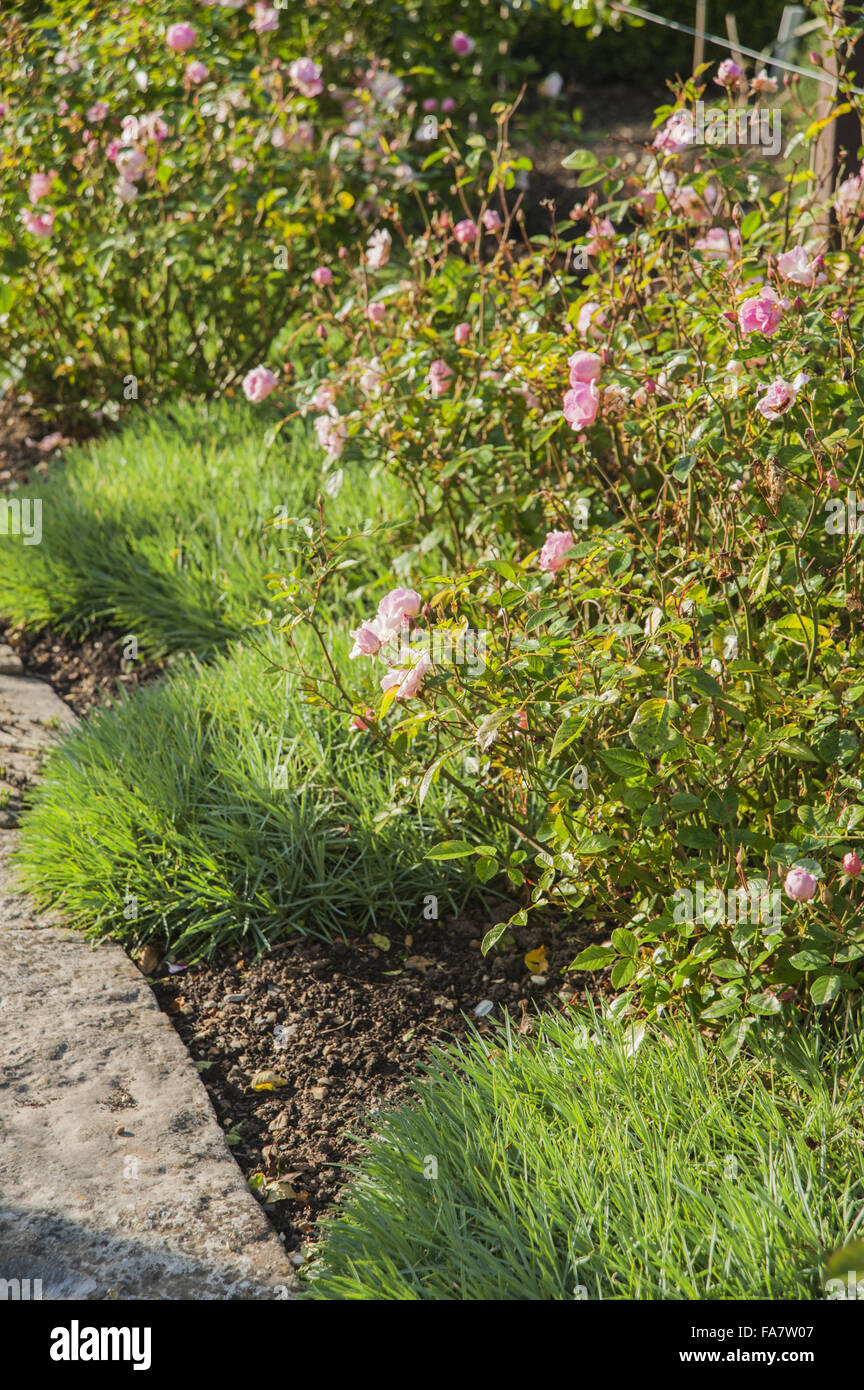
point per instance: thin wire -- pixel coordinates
(725, 43)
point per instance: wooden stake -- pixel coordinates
(699, 26)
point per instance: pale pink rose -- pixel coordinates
(729, 75)
(40, 184)
(462, 334)
(322, 275)
(601, 235)
(800, 886)
(555, 547)
(325, 396)
(430, 104)
(371, 378)
(448, 105)
(376, 312)
(581, 404)
(258, 384)
(97, 112)
(112, 149)
(491, 220)
(691, 204)
(461, 44)
(584, 367)
(366, 640)
(780, 396)
(676, 135)
(130, 164)
(408, 681)
(797, 267)
(465, 231)
(849, 198)
(439, 377)
(127, 192)
(306, 76)
(395, 612)
(265, 20)
(762, 313)
(378, 249)
(718, 244)
(196, 72)
(331, 433)
(179, 37)
(851, 864)
(38, 223)
(591, 320)
(762, 84)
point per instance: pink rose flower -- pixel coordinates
(126, 191)
(780, 396)
(796, 266)
(555, 547)
(729, 75)
(325, 396)
(38, 223)
(322, 275)
(331, 433)
(97, 112)
(591, 320)
(378, 249)
(462, 333)
(465, 231)
(179, 37)
(265, 20)
(258, 384)
(366, 641)
(448, 105)
(800, 886)
(196, 72)
(762, 84)
(461, 44)
(395, 611)
(306, 76)
(40, 184)
(718, 244)
(851, 864)
(584, 367)
(762, 313)
(408, 680)
(131, 164)
(581, 404)
(676, 135)
(849, 198)
(376, 312)
(439, 377)
(491, 220)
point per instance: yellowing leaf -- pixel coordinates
(537, 961)
(381, 941)
(267, 1081)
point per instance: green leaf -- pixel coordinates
(624, 762)
(826, 987)
(622, 973)
(625, 941)
(652, 730)
(493, 936)
(450, 849)
(594, 958)
(579, 159)
(729, 969)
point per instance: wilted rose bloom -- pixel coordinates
(322, 275)
(126, 191)
(258, 384)
(555, 547)
(331, 433)
(366, 641)
(780, 396)
(584, 367)
(439, 377)
(378, 249)
(718, 244)
(306, 76)
(196, 71)
(729, 75)
(461, 44)
(465, 231)
(40, 184)
(762, 313)
(676, 135)
(796, 266)
(179, 37)
(849, 198)
(591, 320)
(97, 112)
(491, 220)
(831, 480)
(800, 886)
(851, 864)
(552, 86)
(325, 396)
(38, 223)
(462, 333)
(762, 83)
(265, 20)
(376, 312)
(581, 404)
(408, 680)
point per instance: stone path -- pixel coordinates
(115, 1178)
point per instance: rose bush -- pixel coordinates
(642, 654)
